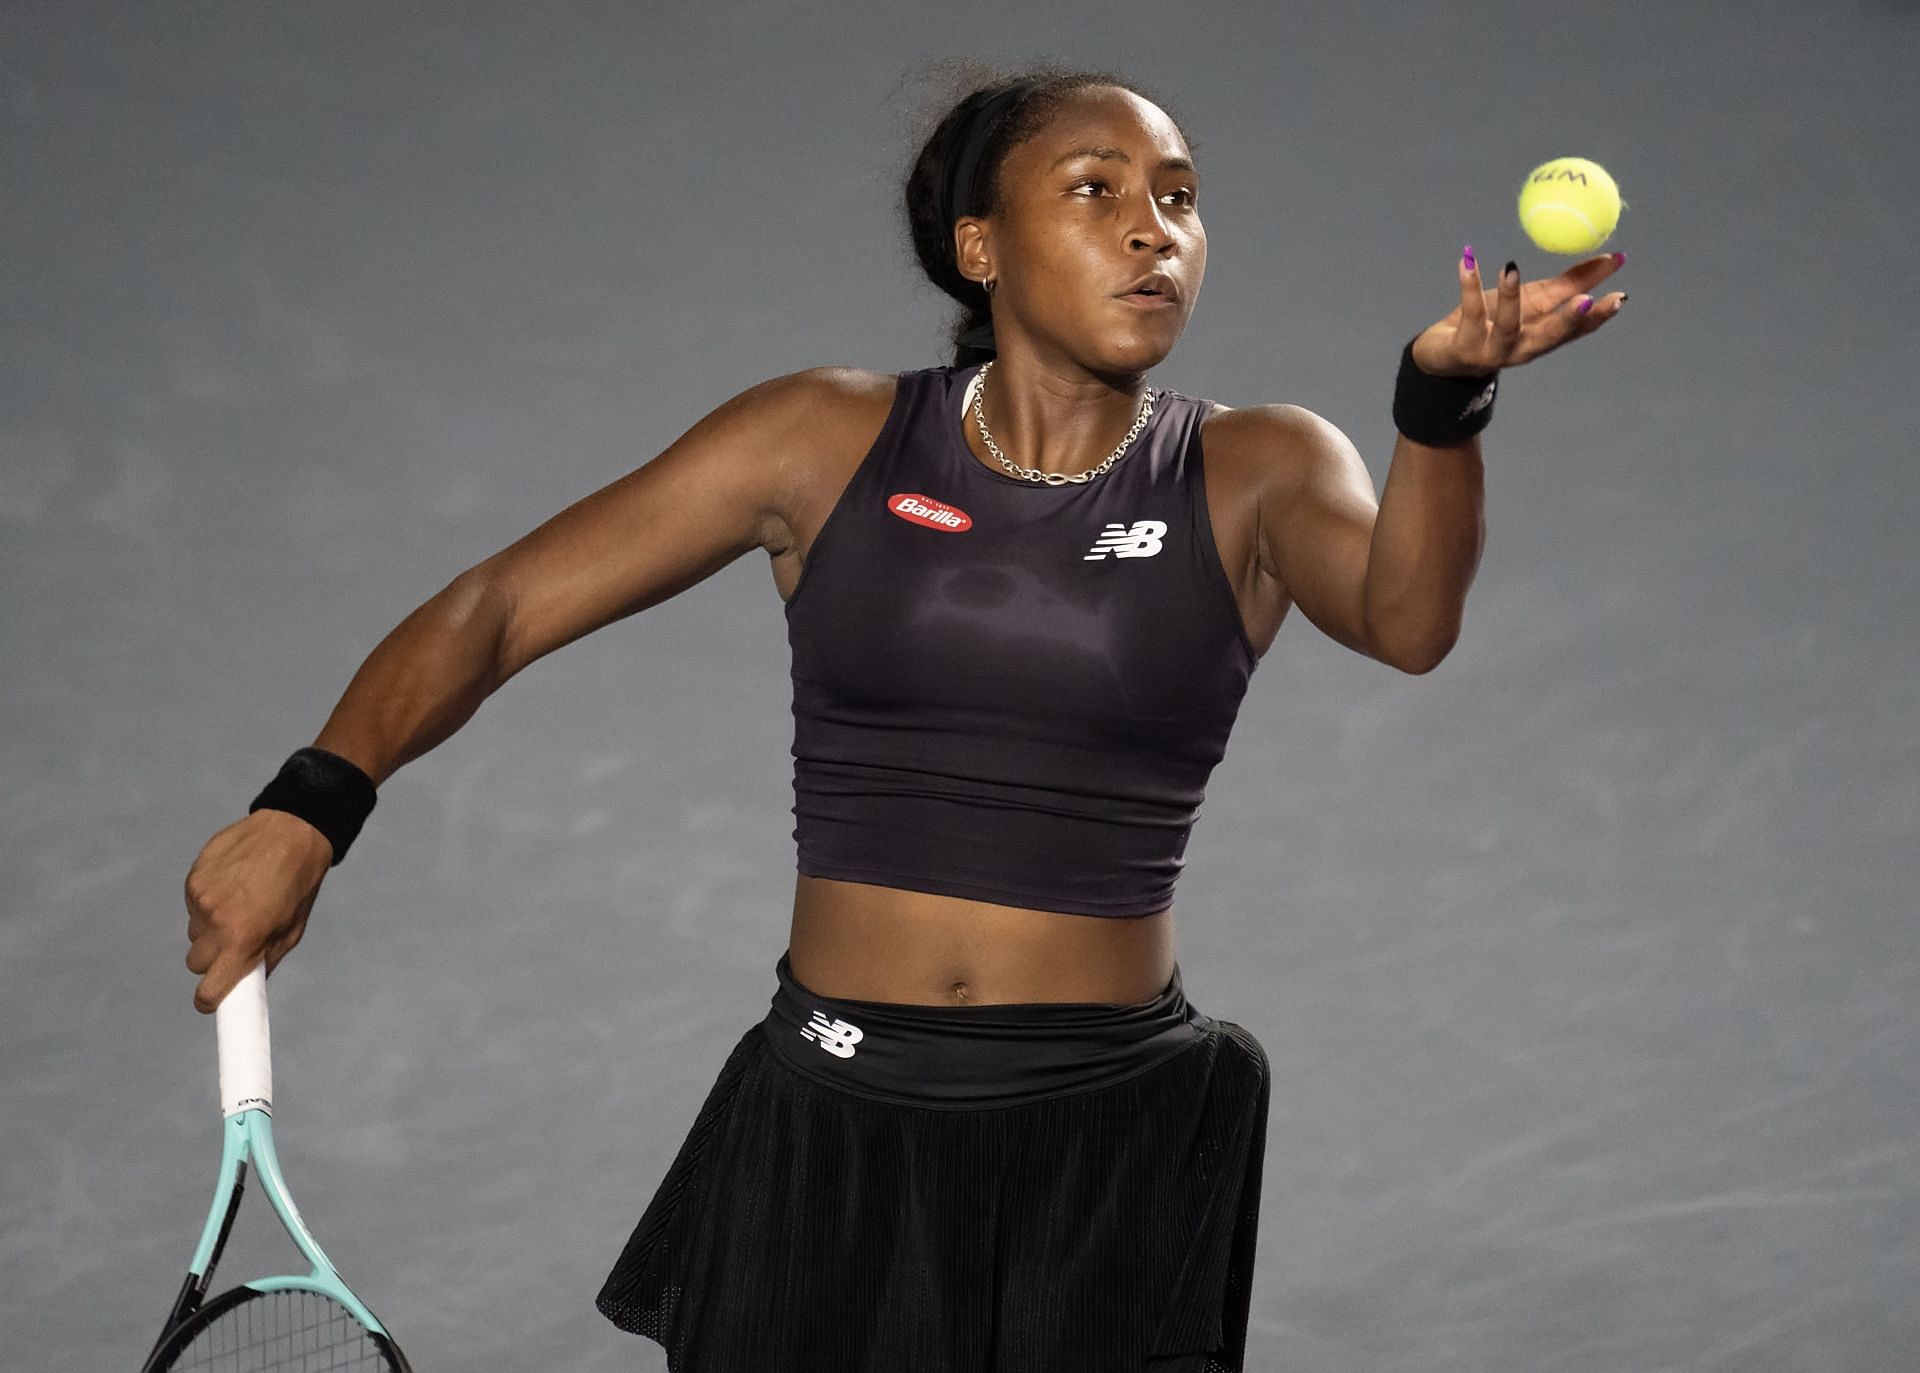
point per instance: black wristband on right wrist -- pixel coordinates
(324, 789)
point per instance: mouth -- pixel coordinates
(1149, 292)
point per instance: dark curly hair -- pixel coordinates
(933, 240)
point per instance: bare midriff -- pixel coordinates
(869, 943)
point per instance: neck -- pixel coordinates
(1053, 420)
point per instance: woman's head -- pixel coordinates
(1061, 188)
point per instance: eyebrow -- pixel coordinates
(1111, 154)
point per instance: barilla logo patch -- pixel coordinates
(910, 505)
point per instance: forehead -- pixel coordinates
(1110, 116)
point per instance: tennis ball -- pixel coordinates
(1569, 205)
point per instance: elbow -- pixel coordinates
(480, 607)
(1411, 634)
(1430, 656)
(1417, 655)
(1420, 665)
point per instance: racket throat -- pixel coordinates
(194, 1290)
(226, 1228)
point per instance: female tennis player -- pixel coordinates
(981, 1126)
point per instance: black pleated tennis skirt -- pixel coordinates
(1030, 1188)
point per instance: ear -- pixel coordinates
(972, 247)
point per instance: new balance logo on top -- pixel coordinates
(837, 1037)
(1142, 540)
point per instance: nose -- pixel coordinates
(1154, 232)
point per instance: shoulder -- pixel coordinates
(847, 385)
(843, 411)
(802, 424)
(1276, 447)
(825, 394)
(822, 423)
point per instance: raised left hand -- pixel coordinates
(1517, 321)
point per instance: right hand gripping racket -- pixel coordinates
(302, 1324)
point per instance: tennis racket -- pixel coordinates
(297, 1324)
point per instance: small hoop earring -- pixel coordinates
(987, 285)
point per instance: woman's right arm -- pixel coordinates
(724, 487)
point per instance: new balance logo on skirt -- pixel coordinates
(837, 1037)
(1142, 540)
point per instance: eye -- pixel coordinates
(1186, 191)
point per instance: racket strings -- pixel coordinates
(283, 1332)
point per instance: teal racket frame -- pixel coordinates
(249, 1140)
(246, 1103)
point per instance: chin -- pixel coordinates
(1137, 352)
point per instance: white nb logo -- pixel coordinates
(1483, 400)
(837, 1037)
(1141, 541)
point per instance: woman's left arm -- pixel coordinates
(1390, 579)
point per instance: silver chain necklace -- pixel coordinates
(1034, 474)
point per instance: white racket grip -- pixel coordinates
(246, 1053)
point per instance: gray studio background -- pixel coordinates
(1587, 963)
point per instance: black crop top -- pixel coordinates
(1005, 690)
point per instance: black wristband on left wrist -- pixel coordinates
(1440, 412)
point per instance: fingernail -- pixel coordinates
(1619, 259)
(1623, 299)
(1466, 254)
(1510, 272)
(1585, 305)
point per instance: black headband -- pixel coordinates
(969, 145)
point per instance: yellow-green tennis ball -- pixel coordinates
(1569, 205)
